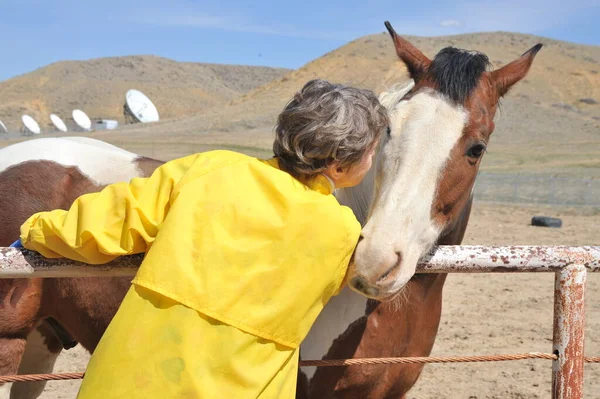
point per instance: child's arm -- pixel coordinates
(121, 219)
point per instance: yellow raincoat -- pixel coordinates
(240, 259)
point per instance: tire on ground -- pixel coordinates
(546, 221)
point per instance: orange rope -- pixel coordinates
(40, 377)
(337, 362)
(421, 360)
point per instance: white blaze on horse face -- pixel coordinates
(400, 228)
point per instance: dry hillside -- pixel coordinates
(98, 87)
(543, 126)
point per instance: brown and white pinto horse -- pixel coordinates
(39, 175)
(420, 194)
(421, 191)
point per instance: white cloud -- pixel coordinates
(450, 23)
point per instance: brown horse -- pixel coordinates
(420, 194)
(425, 174)
(40, 175)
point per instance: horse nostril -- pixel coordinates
(391, 269)
(359, 283)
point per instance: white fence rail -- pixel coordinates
(15, 263)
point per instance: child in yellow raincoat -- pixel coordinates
(241, 255)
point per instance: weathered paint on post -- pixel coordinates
(569, 327)
(498, 259)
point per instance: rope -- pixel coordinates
(338, 362)
(40, 377)
(422, 360)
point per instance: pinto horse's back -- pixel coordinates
(37, 186)
(101, 162)
(41, 175)
(50, 173)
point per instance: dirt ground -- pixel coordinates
(485, 314)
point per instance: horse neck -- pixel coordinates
(358, 198)
(406, 326)
(73, 302)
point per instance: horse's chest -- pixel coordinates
(341, 311)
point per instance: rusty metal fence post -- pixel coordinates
(568, 336)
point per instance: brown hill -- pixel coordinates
(543, 126)
(98, 87)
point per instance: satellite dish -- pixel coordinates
(3, 129)
(82, 120)
(139, 108)
(31, 126)
(60, 125)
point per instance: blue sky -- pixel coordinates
(280, 33)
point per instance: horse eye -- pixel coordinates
(389, 131)
(476, 151)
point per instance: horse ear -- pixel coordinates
(511, 73)
(416, 62)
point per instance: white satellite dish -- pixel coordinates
(60, 125)
(82, 120)
(31, 126)
(139, 107)
(3, 129)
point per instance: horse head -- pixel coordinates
(427, 165)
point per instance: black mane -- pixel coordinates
(457, 72)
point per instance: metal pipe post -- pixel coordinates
(569, 326)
